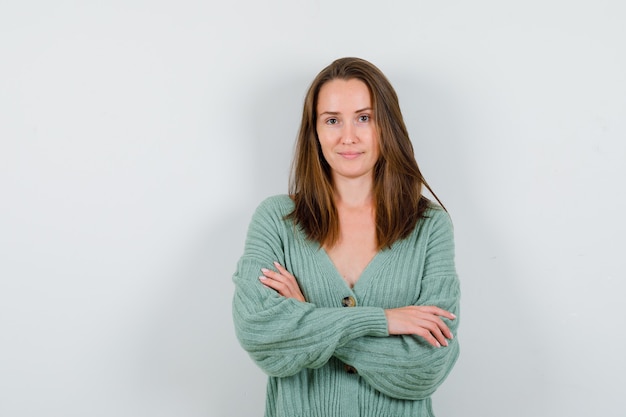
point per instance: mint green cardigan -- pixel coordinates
(327, 360)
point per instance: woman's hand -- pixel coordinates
(282, 281)
(424, 321)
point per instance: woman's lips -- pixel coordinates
(350, 155)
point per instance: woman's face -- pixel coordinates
(346, 128)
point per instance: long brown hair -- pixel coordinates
(398, 182)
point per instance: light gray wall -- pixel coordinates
(137, 137)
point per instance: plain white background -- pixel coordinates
(137, 137)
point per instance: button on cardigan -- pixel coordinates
(304, 347)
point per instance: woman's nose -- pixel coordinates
(349, 134)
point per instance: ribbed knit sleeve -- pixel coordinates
(283, 335)
(406, 367)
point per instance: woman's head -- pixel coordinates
(392, 133)
(397, 181)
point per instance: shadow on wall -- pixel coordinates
(188, 361)
(500, 345)
(191, 355)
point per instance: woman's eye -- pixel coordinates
(364, 118)
(332, 121)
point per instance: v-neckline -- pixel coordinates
(366, 275)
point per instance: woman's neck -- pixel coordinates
(354, 192)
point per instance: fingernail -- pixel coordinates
(276, 263)
(438, 344)
(262, 278)
(453, 315)
(265, 270)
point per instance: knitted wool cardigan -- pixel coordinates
(332, 356)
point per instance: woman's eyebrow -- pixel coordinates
(335, 113)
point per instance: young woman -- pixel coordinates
(346, 294)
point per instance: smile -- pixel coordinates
(350, 155)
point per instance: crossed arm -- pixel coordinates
(422, 321)
(402, 352)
